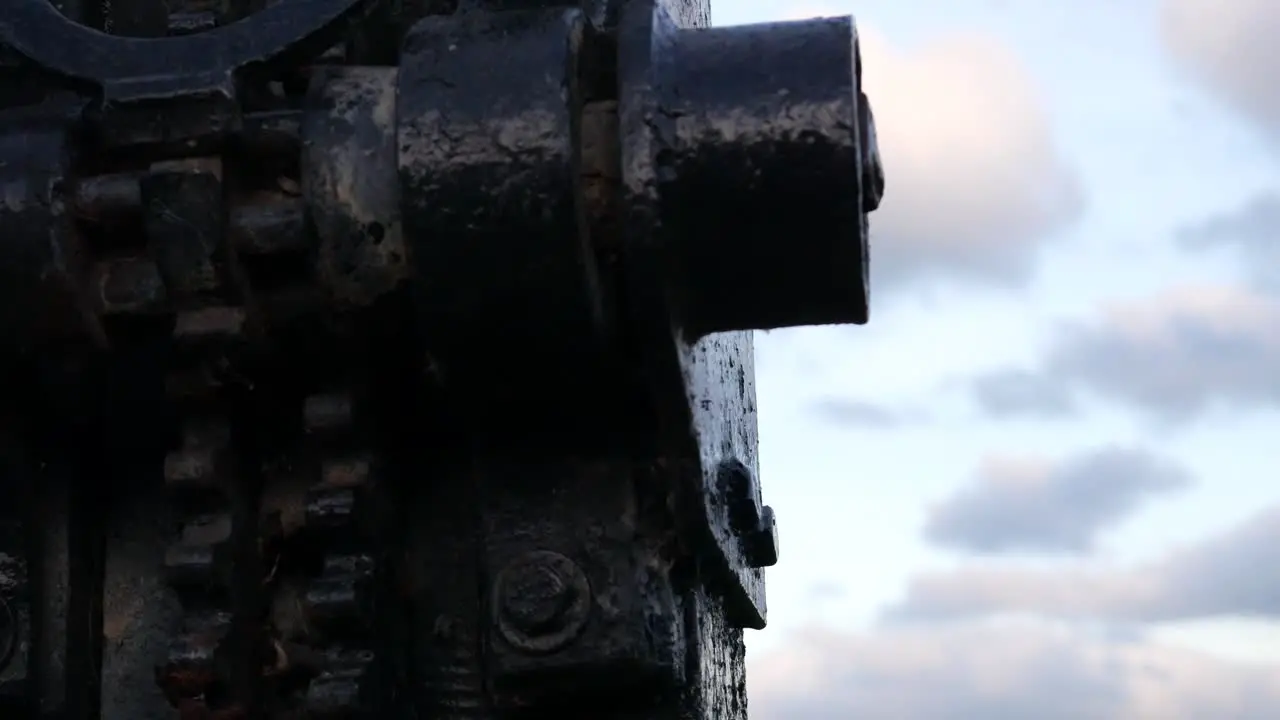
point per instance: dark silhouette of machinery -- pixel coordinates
(372, 359)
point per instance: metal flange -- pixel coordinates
(748, 168)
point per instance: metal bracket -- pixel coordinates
(732, 138)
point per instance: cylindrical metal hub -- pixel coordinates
(763, 179)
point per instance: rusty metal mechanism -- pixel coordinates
(372, 359)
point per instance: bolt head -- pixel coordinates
(541, 601)
(535, 596)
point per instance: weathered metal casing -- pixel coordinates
(406, 349)
(349, 180)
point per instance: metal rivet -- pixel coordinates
(541, 601)
(755, 526)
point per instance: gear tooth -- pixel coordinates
(188, 274)
(190, 565)
(203, 326)
(197, 565)
(301, 623)
(196, 562)
(190, 669)
(327, 413)
(196, 467)
(335, 692)
(345, 472)
(321, 625)
(336, 597)
(331, 508)
(195, 559)
(200, 462)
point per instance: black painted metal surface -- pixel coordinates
(489, 109)
(762, 181)
(350, 188)
(393, 360)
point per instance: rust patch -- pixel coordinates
(344, 473)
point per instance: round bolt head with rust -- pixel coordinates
(541, 601)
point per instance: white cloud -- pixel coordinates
(1228, 46)
(1055, 506)
(974, 180)
(1001, 671)
(1019, 393)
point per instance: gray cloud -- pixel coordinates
(1228, 47)
(1035, 505)
(1017, 393)
(976, 184)
(1000, 672)
(1234, 573)
(1252, 231)
(860, 413)
(1189, 351)
(1173, 356)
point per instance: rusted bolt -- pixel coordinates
(8, 633)
(541, 601)
(761, 545)
(755, 526)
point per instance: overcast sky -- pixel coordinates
(1041, 483)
